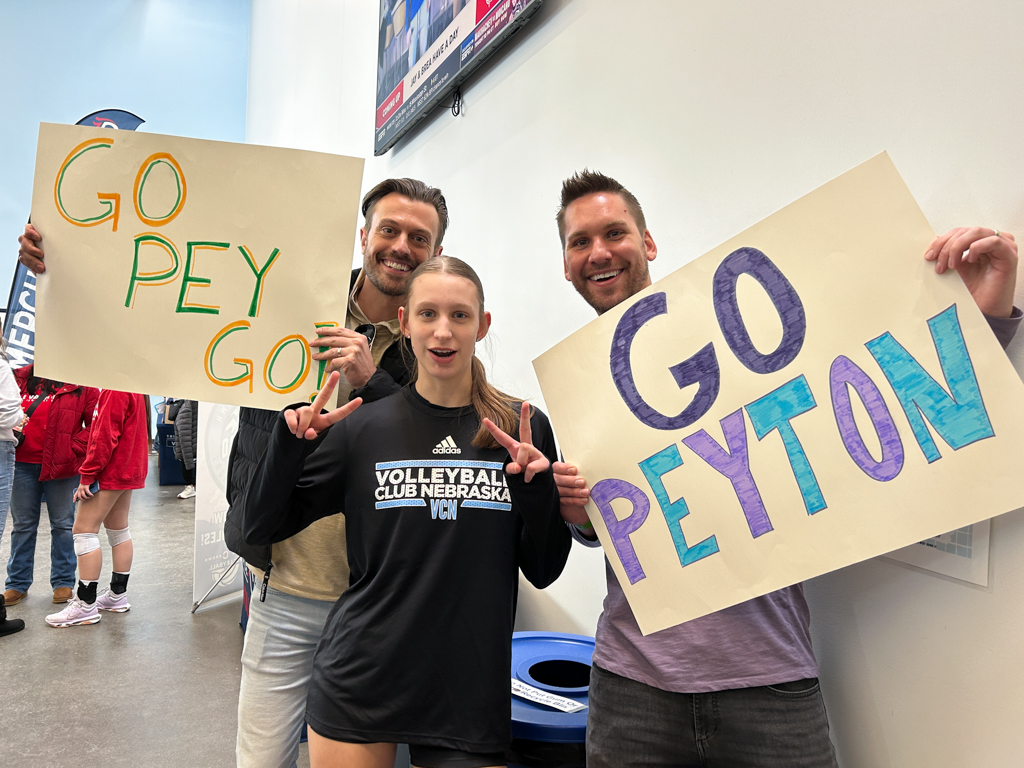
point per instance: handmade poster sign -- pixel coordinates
(188, 268)
(808, 395)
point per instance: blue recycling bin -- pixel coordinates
(170, 467)
(556, 663)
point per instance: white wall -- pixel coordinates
(715, 115)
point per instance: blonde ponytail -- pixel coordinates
(493, 404)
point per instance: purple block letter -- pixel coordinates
(603, 493)
(701, 369)
(845, 371)
(735, 465)
(787, 303)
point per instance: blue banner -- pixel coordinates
(20, 322)
(112, 118)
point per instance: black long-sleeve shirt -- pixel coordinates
(418, 649)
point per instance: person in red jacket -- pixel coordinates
(56, 436)
(116, 464)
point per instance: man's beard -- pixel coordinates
(383, 282)
(634, 284)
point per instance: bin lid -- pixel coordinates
(558, 663)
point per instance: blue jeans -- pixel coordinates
(26, 500)
(631, 725)
(277, 661)
(6, 480)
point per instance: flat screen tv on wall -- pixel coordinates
(427, 48)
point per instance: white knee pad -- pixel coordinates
(118, 537)
(86, 543)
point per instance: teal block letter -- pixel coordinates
(653, 468)
(959, 415)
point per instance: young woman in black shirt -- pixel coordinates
(443, 508)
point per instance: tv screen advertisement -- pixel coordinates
(426, 48)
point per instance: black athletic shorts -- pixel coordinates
(445, 757)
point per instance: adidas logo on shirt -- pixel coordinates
(447, 446)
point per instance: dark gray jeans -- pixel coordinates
(632, 725)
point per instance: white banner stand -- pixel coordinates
(217, 573)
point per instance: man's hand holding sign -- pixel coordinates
(346, 351)
(986, 260)
(834, 401)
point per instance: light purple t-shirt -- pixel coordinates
(764, 641)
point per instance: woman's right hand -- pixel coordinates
(309, 422)
(82, 493)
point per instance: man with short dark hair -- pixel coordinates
(404, 224)
(738, 687)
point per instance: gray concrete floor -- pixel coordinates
(156, 686)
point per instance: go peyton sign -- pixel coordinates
(189, 268)
(884, 411)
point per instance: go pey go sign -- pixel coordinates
(189, 268)
(807, 395)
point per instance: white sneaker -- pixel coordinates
(76, 612)
(188, 493)
(108, 601)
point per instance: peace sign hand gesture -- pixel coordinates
(309, 422)
(525, 455)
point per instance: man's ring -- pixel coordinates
(997, 233)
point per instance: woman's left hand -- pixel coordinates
(526, 457)
(82, 492)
